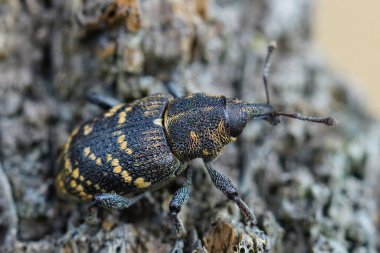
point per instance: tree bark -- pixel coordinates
(313, 188)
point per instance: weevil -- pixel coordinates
(141, 146)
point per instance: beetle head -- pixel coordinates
(240, 112)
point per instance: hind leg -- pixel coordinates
(111, 201)
(114, 201)
(102, 101)
(180, 197)
(224, 184)
(173, 89)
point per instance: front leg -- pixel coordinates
(180, 197)
(173, 89)
(224, 184)
(102, 101)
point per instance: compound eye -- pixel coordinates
(237, 124)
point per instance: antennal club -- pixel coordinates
(327, 121)
(271, 47)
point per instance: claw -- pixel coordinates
(261, 239)
(92, 218)
(178, 246)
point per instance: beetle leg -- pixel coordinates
(178, 247)
(102, 101)
(92, 218)
(224, 184)
(180, 197)
(173, 89)
(114, 201)
(108, 200)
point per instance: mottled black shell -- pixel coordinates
(197, 126)
(123, 151)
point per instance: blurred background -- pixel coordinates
(348, 32)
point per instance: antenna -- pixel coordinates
(327, 121)
(271, 47)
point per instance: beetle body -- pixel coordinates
(141, 146)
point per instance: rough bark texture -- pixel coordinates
(313, 188)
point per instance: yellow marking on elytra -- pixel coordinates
(156, 145)
(79, 188)
(69, 140)
(60, 183)
(122, 117)
(123, 145)
(141, 183)
(74, 132)
(88, 182)
(122, 142)
(85, 196)
(128, 151)
(151, 112)
(205, 151)
(117, 169)
(87, 129)
(115, 162)
(152, 132)
(75, 173)
(97, 187)
(99, 161)
(86, 151)
(153, 138)
(233, 139)
(64, 173)
(194, 136)
(73, 184)
(121, 139)
(158, 122)
(127, 178)
(112, 111)
(81, 178)
(63, 190)
(68, 164)
(92, 156)
(153, 105)
(207, 109)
